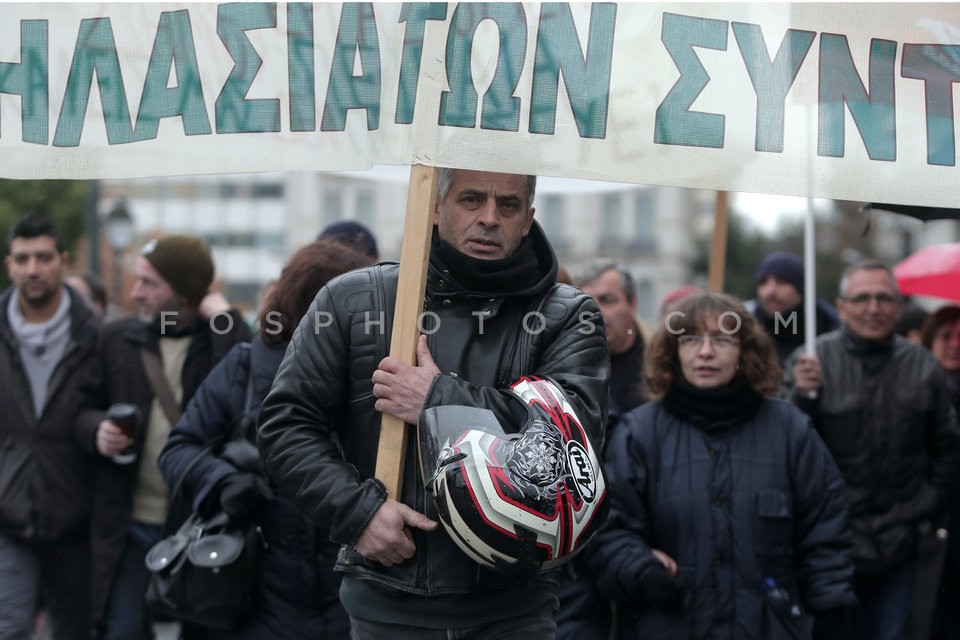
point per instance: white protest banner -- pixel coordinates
(851, 101)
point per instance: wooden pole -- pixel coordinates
(718, 246)
(414, 257)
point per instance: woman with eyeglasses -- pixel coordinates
(733, 487)
(941, 334)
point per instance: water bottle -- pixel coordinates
(783, 606)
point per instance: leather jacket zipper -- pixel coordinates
(505, 368)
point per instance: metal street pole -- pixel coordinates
(93, 226)
(119, 228)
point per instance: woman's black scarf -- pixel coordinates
(712, 408)
(515, 273)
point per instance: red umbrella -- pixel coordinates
(932, 271)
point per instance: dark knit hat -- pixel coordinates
(184, 262)
(786, 266)
(354, 235)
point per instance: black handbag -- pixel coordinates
(205, 572)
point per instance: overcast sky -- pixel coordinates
(766, 211)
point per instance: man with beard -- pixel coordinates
(154, 360)
(46, 461)
(779, 303)
(490, 267)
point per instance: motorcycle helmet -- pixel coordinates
(529, 499)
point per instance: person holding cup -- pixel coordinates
(155, 360)
(126, 417)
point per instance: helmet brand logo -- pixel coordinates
(582, 470)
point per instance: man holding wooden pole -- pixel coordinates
(490, 313)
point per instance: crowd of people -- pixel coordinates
(750, 486)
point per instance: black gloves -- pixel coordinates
(238, 495)
(660, 588)
(837, 624)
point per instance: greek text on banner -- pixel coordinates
(851, 101)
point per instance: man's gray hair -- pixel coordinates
(445, 179)
(865, 265)
(598, 267)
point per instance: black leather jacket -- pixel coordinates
(319, 430)
(884, 412)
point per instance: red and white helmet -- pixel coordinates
(533, 497)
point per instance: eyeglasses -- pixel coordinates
(863, 299)
(720, 342)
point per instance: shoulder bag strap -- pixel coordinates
(154, 370)
(242, 426)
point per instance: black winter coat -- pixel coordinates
(116, 375)
(323, 396)
(885, 414)
(46, 463)
(733, 505)
(296, 592)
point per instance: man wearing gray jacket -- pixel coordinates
(881, 405)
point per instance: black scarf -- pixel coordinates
(712, 408)
(626, 375)
(514, 274)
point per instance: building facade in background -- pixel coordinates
(254, 222)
